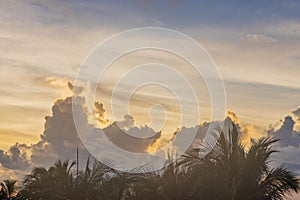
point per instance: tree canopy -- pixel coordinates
(228, 172)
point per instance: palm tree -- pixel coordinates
(230, 172)
(8, 189)
(58, 182)
(54, 183)
(89, 184)
(170, 183)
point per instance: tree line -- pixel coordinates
(228, 172)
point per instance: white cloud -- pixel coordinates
(288, 145)
(260, 38)
(15, 158)
(126, 122)
(60, 138)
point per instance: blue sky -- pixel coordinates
(233, 14)
(255, 44)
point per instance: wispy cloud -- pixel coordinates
(260, 38)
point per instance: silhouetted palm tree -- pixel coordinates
(230, 172)
(54, 183)
(8, 189)
(89, 183)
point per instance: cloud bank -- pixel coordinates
(288, 145)
(60, 139)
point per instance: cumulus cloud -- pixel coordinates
(127, 122)
(100, 112)
(159, 143)
(296, 112)
(132, 139)
(248, 131)
(260, 38)
(286, 133)
(60, 138)
(58, 141)
(124, 133)
(233, 116)
(15, 158)
(288, 145)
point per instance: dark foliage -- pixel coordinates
(228, 172)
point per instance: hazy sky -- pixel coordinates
(255, 44)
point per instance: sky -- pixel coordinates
(254, 44)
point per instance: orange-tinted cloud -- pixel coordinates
(56, 82)
(233, 117)
(100, 112)
(248, 131)
(160, 142)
